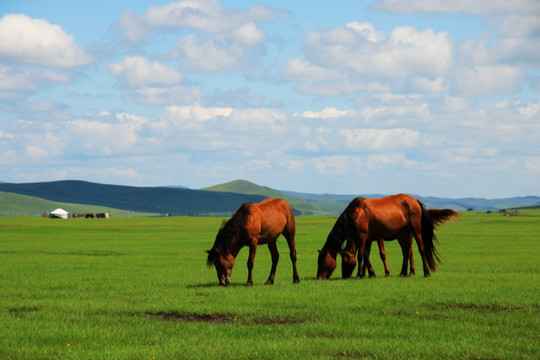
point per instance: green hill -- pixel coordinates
(155, 200)
(220, 200)
(23, 205)
(301, 206)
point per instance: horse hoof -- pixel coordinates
(296, 281)
(269, 282)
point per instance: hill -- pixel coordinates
(301, 206)
(220, 200)
(156, 200)
(12, 204)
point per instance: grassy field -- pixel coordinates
(139, 289)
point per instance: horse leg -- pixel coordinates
(250, 262)
(367, 262)
(289, 235)
(405, 242)
(411, 260)
(361, 255)
(382, 253)
(418, 237)
(272, 246)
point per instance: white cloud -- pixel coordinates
(160, 96)
(302, 70)
(326, 113)
(197, 113)
(137, 70)
(37, 42)
(358, 58)
(398, 54)
(459, 6)
(378, 139)
(207, 15)
(209, 55)
(246, 35)
(519, 25)
(488, 80)
(16, 82)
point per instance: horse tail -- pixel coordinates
(429, 239)
(439, 216)
(431, 219)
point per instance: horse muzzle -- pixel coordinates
(227, 282)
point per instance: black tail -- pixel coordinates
(439, 216)
(430, 220)
(429, 239)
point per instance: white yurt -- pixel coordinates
(59, 213)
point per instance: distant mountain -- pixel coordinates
(157, 200)
(220, 200)
(301, 206)
(328, 202)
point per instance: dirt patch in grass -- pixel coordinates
(220, 318)
(216, 318)
(275, 320)
(23, 309)
(478, 307)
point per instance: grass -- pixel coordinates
(139, 289)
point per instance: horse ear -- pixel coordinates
(207, 251)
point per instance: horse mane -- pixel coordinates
(344, 224)
(227, 231)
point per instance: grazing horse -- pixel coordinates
(348, 255)
(387, 217)
(253, 225)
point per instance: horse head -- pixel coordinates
(223, 261)
(327, 264)
(348, 263)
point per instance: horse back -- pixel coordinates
(269, 218)
(388, 215)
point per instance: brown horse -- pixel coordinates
(388, 217)
(348, 255)
(253, 225)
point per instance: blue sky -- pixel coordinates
(427, 97)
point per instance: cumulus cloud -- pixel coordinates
(209, 55)
(487, 80)
(461, 6)
(137, 70)
(159, 96)
(379, 139)
(37, 42)
(326, 113)
(358, 57)
(207, 16)
(301, 70)
(359, 48)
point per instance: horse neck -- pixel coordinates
(234, 244)
(334, 242)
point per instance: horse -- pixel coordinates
(387, 217)
(348, 255)
(252, 225)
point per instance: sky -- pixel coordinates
(427, 97)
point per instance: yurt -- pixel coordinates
(60, 214)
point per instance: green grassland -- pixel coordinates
(139, 289)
